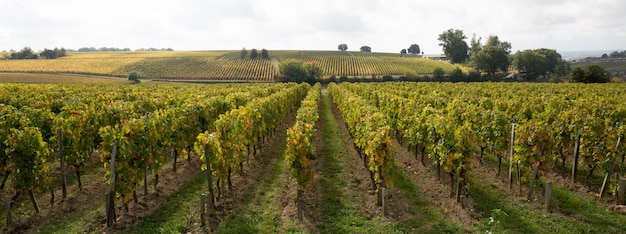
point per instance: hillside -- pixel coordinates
(222, 65)
(617, 66)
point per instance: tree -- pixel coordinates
(265, 54)
(439, 74)
(51, 54)
(493, 56)
(366, 49)
(617, 54)
(473, 76)
(294, 70)
(457, 75)
(494, 41)
(134, 76)
(342, 47)
(244, 52)
(475, 45)
(254, 54)
(313, 71)
(539, 62)
(591, 74)
(454, 46)
(414, 49)
(403, 52)
(604, 56)
(26, 53)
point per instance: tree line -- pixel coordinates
(413, 49)
(107, 49)
(615, 54)
(94, 49)
(28, 53)
(495, 56)
(254, 54)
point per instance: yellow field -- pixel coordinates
(41, 78)
(221, 65)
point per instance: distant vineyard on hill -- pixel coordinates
(222, 65)
(370, 65)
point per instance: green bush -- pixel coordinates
(134, 76)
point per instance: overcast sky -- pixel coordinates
(384, 25)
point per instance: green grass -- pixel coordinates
(340, 211)
(585, 213)
(256, 213)
(425, 219)
(178, 214)
(520, 217)
(601, 220)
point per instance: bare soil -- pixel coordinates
(519, 193)
(89, 203)
(436, 191)
(259, 166)
(361, 185)
(311, 197)
(399, 208)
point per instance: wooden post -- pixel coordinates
(576, 150)
(300, 206)
(111, 194)
(34, 200)
(611, 169)
(532, 182)
(511, 152)
(548, 195)
(458, 189)
(175, 152)
(519, 178)
(207, 162)
(605, 182)
(62, 156)
(145, 181)
(384, 202)
(203, 198)
(7, 202)
(622, 191)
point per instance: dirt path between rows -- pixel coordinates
(436, 191)
(400, 208)
(250, 186)
(89, 204)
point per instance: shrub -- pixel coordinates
(439, 74)
(457, 75)
(134, 76)
(473, 76)
(332, 78)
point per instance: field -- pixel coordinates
(286, 158)
(222, 65)
(616, 66)
(44, 78)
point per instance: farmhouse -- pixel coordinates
(435, 56)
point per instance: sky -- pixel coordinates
(384, 25)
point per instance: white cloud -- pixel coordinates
(385, 25)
